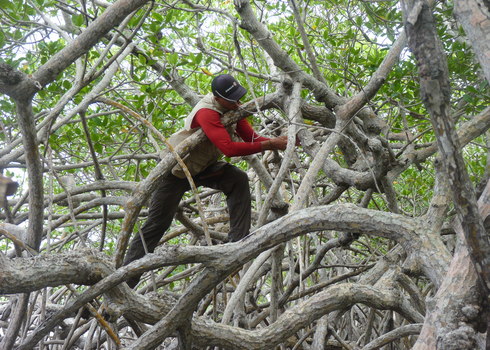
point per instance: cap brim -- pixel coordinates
(237, 94)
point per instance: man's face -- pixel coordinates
(230, 105)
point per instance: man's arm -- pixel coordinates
(247, 133)
(210, 122)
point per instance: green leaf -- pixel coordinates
(155, 27)
(98, 148)
(142, 59)
(151, 107)
(78, 20)
(197, 58)
(157, 16)
(173, 58)
(67, 84)
(4, 4)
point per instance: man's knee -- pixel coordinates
(238, 175)
(242, 177)
(239, 184)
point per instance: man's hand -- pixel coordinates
(277, 143)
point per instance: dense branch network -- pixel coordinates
(340, 255)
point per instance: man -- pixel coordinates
(205, 168)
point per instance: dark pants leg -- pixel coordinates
(222, 176)
(163, 205)
(233, 182)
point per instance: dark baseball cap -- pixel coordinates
(227, 87)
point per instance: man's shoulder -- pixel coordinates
(206, 115)
(208, 112)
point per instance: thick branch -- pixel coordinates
(331, 299)
(435, 90)
(474, 15)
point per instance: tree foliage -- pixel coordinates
(371, 216)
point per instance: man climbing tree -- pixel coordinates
(205, 168)
(372, 251)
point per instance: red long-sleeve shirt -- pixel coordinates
(210, 122)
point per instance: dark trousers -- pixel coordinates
(222, 176)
